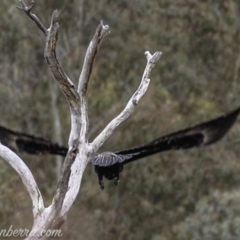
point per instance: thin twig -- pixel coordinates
(27, 10)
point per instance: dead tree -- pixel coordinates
(80, 150)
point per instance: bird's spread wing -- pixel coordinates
(199, 135)
(109, 164)
(21, 142)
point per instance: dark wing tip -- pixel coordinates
(214, 130)
(21, 142)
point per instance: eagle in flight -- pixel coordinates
(110, 164)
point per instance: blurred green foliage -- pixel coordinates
(176, 195)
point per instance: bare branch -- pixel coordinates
(58, 73)
(27, 10)
(102, 137)
(28, 180)
(101, 32)
(73, 99)
(56, 69)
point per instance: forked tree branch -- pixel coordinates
(28, 180)
(71, 95)
(108, 130)
(80, 164)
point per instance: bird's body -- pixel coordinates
(109, 164)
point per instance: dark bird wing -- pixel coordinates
(109, 164)
(21, 142)
(200, 135)
(197, 136)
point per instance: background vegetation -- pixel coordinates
(170, 196)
